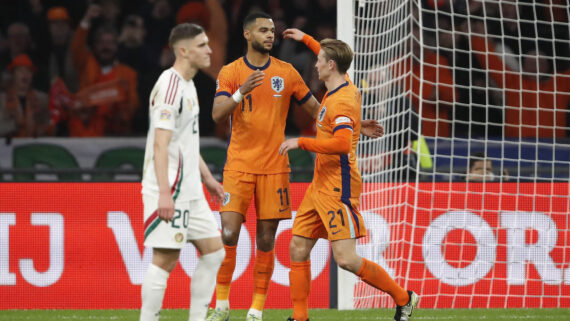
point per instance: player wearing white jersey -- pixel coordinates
(175, 208)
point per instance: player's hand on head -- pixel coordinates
(289, 144)
(252, 81)
(165, 207)
(215, 189)
(293, 33)
(371, 128)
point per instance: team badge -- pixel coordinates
(226, 199)
(322, 113)
(179, 237)
(165, 114)
(277, 83)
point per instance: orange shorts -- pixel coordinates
(270, 192)
(324, 216)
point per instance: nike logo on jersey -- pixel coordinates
(283, 209)
(333, 233)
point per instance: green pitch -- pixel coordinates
(315, 315)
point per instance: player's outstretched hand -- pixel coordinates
(165, 207)
(289, 144)
(371, 128)
(215, 189)
(293, 33)
(252, 81)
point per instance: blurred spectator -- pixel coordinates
(480, 168)
(536, 100)
(108, 94)
(436, 94)
(159, 15)
(23, 110)
(18, 41)
(60, 63)
(110, 11)
(133, 50)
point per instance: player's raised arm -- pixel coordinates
(298, 35)
(224, 104)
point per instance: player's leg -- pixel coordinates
(239, 189)
(263, 266)
(154, 283)
(345, 255)
(212, 254)
(272, 203)
(166, 239)
(204, 234)
(307, 228)
(300, 275)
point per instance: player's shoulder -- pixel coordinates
(282, 65)
(346, 94)
(167, 76)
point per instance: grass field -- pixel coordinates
(281, 315)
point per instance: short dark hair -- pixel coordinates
(338, 51)
(184, 31)
(253, 16)
(475, 157)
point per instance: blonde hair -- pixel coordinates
(338, 51)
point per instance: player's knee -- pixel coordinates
(216, 258)
(346, 262)
(298, 252)
(230, 236)
(265, 242)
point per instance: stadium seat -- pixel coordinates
(52, 156)
(302, 165)
(117, 158)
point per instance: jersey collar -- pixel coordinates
(252, 67)
(337, 88)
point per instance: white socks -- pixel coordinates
(204, 283)
(223, 305)
(152, 292)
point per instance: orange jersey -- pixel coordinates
(258, 122)
(338, 175)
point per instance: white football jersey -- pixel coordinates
(174, 106)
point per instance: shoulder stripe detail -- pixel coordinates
(342, 127)
(174, 91)
(169, 88)
(223, 93)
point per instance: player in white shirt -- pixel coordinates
(175, 208)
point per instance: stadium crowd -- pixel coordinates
(85, 68)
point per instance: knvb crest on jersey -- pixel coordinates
(277, 83)
(322, 113)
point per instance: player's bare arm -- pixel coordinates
(311, 106)
(212, 185)
(165, 202)
(223, 106)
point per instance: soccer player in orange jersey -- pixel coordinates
(255, 92)
(330, 206)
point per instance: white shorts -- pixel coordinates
(193, 220)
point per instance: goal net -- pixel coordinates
(466, 196)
